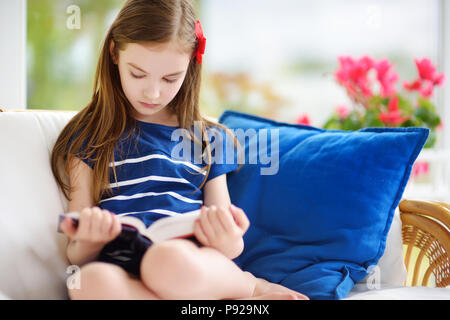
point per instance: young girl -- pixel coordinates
(114, 158)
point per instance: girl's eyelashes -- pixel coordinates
(135, 76)
(140, 77)
(170, 81)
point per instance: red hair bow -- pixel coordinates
(201, 42)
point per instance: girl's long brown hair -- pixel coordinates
(96, 129)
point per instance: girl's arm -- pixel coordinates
(85, 245)
(221, 225)
(81, 181)
(216, 193)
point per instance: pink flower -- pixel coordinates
(344, 74)
(393, 116)
(420, 168)
(427, 89)
(352, 74)
(351, 90)
(393, 104)
(428, 72)
(439, 80)
(364, 84)
(304, 120)
(342, 111)
(387, 77)
(416, 85)
(428, 78)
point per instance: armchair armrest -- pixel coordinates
(425, 227)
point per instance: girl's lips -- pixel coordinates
(149, 105)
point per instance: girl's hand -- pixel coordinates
(222, 229)
(96, 227)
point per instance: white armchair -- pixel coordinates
(34, 265)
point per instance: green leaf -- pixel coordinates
(333, 124)
(411, 123)
(427, 116)
(435, 121)
(376, 101)
(405, 105)
(427, 104)
(352, 123)
(431, 141)
(372, 119)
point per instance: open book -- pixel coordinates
(179, 226)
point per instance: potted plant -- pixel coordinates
(372, 87)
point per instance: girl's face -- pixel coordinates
(151, 76)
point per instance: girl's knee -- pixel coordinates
(171, 267)
(96, 281)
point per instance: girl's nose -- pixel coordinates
(152, 93)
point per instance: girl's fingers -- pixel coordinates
(116, 226)
(68, 228)
(84, 223)
(214, 220)
(240, 217)
(96, 223)
(226, 219)
(206, 225)
(105, 222)
(200, 234)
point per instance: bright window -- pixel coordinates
(290, 48)
(63, 45)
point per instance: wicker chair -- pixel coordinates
(425, 231)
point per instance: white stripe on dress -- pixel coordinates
(148, 178)
(159, 211)
(156, 156)
(152, 194)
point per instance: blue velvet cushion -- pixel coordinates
(322, 219)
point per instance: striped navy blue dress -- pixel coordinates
(153, 183)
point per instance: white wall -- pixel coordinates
(444, 98)
(13, 75)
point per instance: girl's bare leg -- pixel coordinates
(105, 281)
(178, 269)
